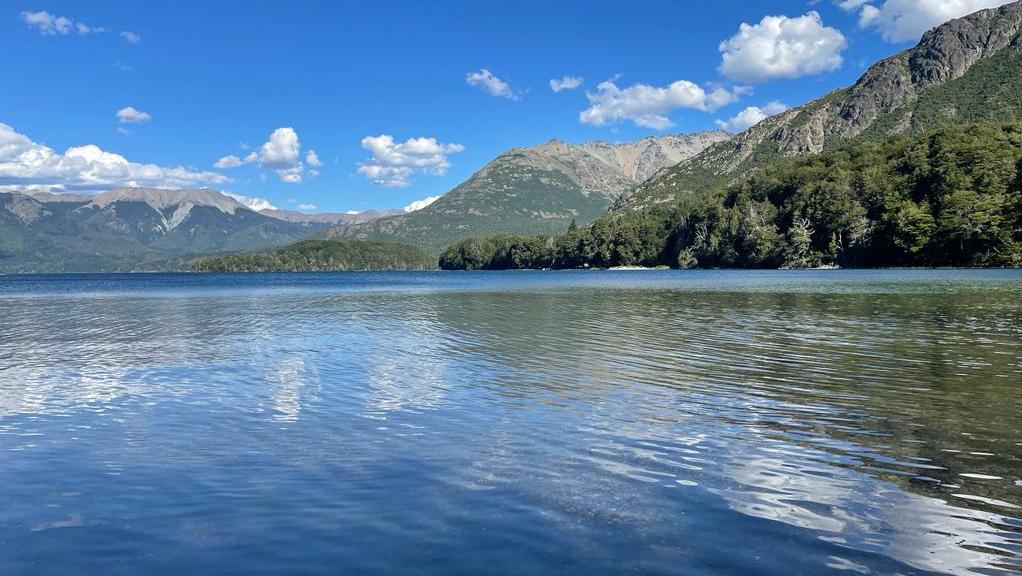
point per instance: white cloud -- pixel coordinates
(24, 163)
(420, 204)
(489, 83)
(312, 159)
(131, 37)
(751, 116)
(292, 175)
(306, 206)
(649, 106)
(393, 164)
(781, 47)
(257, 204)
(282, 153)
(230, 161)
(282, 150)
(352, 212)
(131, 115)
(84, 30)
(901, 20)
(565, 83)
(851, 5)
(50, 25)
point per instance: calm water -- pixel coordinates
(526, 422)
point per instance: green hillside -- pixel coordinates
(947, 197)
(128, 235)
(322, 256)
(509, 198)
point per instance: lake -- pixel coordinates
(574, 422)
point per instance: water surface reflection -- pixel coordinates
(689, 423)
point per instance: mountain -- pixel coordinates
(945, 197)
(965, 70)
(131, 229)
(331, 218)
(534, 190)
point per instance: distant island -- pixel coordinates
(323, 256)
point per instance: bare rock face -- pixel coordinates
(943, 54)
(161, 199)
(947, 52)
(892, 86)
(22, 207)
(609, 169)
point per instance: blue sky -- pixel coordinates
(266, 82)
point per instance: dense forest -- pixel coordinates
(323, 255)
(947, 197)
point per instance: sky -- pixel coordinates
(338, 106)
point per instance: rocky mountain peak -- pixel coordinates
(161, 199)
(606, 168)
(895, 95)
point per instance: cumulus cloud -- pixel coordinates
(751, 116)
(565, 83)
(132, 115)
(420, 204)
(131, 37)
(312, 159)
(281, 153)
(851, 5)
(230, 161)
(393, 163)
(649, 106)
(257, 204)
(901, 20)
(781, 47)
(292, 175)
(282, 150)
(88, 168)
(50, 25)
(486, 81)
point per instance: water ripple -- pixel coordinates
(586, 422)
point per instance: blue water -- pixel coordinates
(643, 422)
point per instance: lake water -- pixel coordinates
(655, 422)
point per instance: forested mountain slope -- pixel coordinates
(532, 190)
(965, 70)
(947, 197)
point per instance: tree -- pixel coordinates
(950, 196)
(798, 252)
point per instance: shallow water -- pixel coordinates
(655, 422)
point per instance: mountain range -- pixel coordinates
(131, 229)
(525, 190)
(966, 70)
